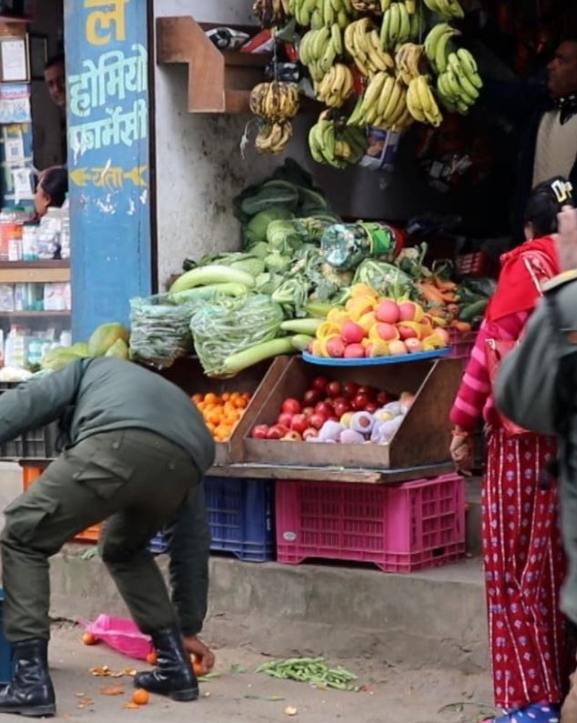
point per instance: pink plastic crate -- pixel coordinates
(409, 527)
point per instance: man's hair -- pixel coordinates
(54, 182)
(58, 59)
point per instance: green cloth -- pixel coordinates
(113, 476)
(537, 388)
(102, 395)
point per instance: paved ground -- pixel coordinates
(239, 695)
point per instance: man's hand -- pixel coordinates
(566, 240)
(194, 646)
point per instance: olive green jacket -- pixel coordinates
(93, 396)
(537, 388)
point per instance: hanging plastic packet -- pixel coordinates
(227, 38)
(346, 245)
(283, 72)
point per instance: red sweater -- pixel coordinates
(474, 397)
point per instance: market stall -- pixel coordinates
(323, 350)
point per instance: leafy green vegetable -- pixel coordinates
(256, 228)
(386, 279)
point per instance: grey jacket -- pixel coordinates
(537, 388)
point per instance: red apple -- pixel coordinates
(311, 397)
(354, 351)
(291, 406)
(277, 431)
(360, 402)
(387, 332)
(260, 431)
(383, 398)
(335, 347)
(319, 383)
(443, 335)
(397, 347)
(387, 311)
(307, 411)
(371, 407)
(352, 333)
(310, 432)
(407, 332)
(299, 423)
(350, 389)
(334, 388)
(317, 420)
(285, 419)
(292, 436)
(325, 408)
(414, 346)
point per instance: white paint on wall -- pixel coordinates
(200, 168)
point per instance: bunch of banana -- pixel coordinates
(446, 8)
(335, 144)
(458, 87)
(437, 46)
(274, 137)
(408, 60)
(318, 13)
(399, 25)
(319, 49)
(421, 102)
(276, 101)
(336, 87)
(271, 13)
(383, 104)
(362, 44)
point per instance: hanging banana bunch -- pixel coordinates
(275, 103)
(271, 13)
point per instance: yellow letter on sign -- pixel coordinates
(99, 22)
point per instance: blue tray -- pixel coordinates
(377, 360)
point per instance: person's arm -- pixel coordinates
(188, 539)
(39, 401)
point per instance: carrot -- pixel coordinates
(444, 285)
(431, 294)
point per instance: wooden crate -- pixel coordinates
(258, 380)
(423, 438)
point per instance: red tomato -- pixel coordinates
(285, 419)
(360, 402)
(325, 408)
(334, 389)
(383, 398)
(277, 431)
(350, 390)
(311, 397)
(341, 407)
(291, 406)
(317, 420)
(299, 423)
(319, 383)
(259, 432)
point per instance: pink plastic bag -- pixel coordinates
(121, 635)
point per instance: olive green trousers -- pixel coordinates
(134, 480)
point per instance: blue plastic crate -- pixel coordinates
(6, 668)
(158, 544)
(240, 515)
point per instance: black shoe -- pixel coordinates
(173, 675)
(31, 692)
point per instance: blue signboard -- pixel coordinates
(108, 158)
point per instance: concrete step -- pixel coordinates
(436, 617)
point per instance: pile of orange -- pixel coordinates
(222, 412)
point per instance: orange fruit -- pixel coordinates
(140, 696)
(198, 667)
(89, 639)
(152, 658)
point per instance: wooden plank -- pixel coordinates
(40, 264)
(34, 275)
(218, 82)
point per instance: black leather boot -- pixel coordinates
(31, 692)
(173, 675)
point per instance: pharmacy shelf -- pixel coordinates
(34, 314)
(31, 272)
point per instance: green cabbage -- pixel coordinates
(255, 230)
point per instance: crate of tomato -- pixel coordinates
(390, 417)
